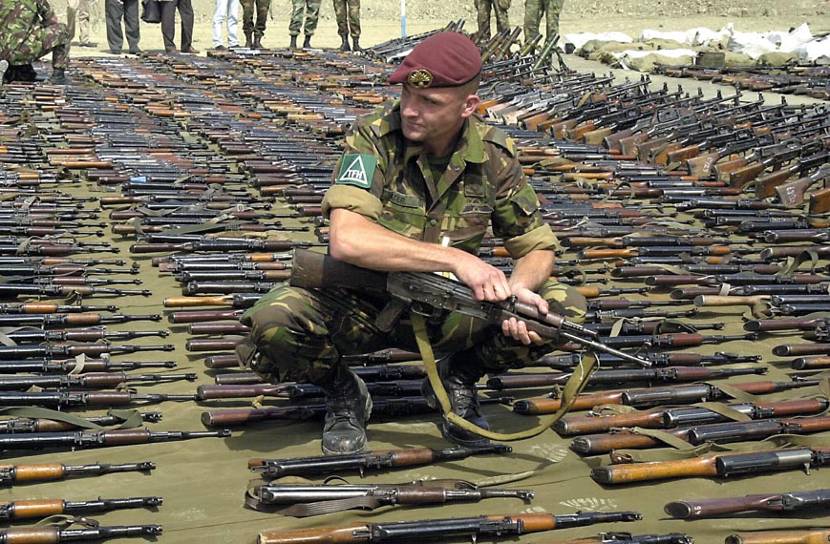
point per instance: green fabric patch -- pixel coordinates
(357, 169)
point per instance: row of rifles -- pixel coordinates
(673, 209)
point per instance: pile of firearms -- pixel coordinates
(673, 209)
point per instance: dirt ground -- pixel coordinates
(381, 21)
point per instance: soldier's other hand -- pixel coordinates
(486, 281)
(516, 328)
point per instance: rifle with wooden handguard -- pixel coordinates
(600, 378)
(90, 532)
(47, 472)
(48, 365)
(656, 396)
(314, 270)
(763, 503)
(42, 508)
(718, 433)
(373, 461)
(667, 418)
(47, 425)
(442, 530)
(725, 465)
(381, 408)
(100, 439)
(304, 500)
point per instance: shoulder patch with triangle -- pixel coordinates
(357, 169)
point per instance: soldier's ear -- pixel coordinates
(470, 105)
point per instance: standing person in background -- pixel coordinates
(312, 14)
(30, 31)
(127, 10)
(347, 13)
(226, 10)
(168, 25)
(533, 18)
(254, 33)
(500, 7)
(79, 11)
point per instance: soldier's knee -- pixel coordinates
(565, 300)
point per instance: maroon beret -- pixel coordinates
(445, 59)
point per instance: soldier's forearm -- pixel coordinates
(361, 242)
(532, 270)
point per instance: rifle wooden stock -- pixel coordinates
(189, 302)
(797, 350)
(209, 344)
(820, 201)
(729, 300)
(715, 507)
(810, 363)
(767, 185)
(697, 467)
(820, 536)
(583, 424)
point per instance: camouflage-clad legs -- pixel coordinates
(301, 333)
(30, 31)
(249, 7)
(311, 9)
(534, 10)
(78, 15)
(483, 8)
(347, 14)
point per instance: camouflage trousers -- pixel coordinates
(78, 13)
(483, 8)
(312, 14)
(248, 7)
(347, 14)
(534, 9)
(42, 40)
(299, 335)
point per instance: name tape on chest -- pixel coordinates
(357, 169)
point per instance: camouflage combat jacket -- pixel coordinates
(388, 180)
(18, 18)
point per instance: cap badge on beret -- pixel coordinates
(420, 78)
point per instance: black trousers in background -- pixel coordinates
(115, 11)
(168, 23)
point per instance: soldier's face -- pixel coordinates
(434, 114)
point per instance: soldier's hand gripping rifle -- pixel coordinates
(423, 294)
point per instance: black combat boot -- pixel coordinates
(58, 77)
(249, 42)
(356, 44)
(348, 407)
(293, 44)
(460, 384)
(344, 42)
(307, 42)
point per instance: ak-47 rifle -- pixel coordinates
(439, 530)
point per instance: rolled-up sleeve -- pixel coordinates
(352, 195)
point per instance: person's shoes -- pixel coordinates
(219, 47)
(135, 50)
(307, 42)
(58, 77)
(461, 389)
(348, 407)
(249, 43)
(344, 44)
(258, 44)
(191, 50)
(293, 43)
(4, 65)
(88, 44)
(234, 46)
(170, 50)
(115, 51)
(356, 45)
